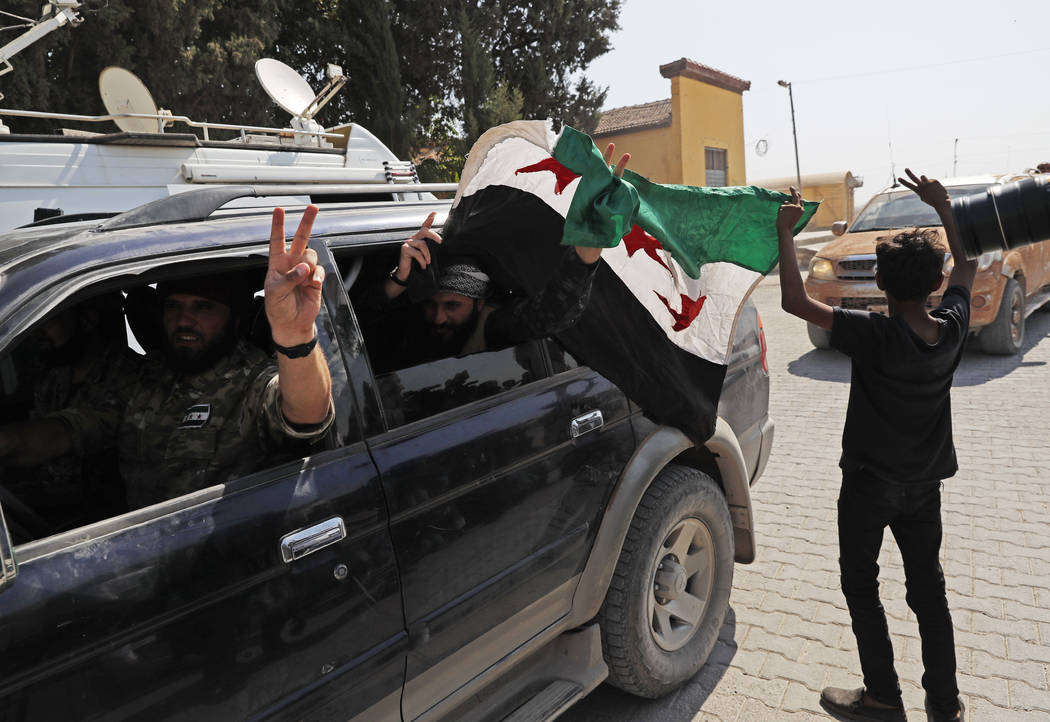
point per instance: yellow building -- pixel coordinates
(833, 190)
(695, 137)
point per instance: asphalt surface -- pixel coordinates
(787, 634)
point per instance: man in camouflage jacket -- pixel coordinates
(212, 407)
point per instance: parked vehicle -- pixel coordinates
(87, 174)
(454, 552)
(1009, 285)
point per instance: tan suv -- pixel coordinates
(1009, 285)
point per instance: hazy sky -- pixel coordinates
(866, 76)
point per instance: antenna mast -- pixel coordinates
(56, 14)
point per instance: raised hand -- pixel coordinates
(293, 282)
(929, 190)
(621, 164)
(790, 212)
(416, 249)
(590, 254)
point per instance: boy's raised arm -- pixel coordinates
(933, 194)
(793, 297)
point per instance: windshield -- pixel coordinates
(903, 209)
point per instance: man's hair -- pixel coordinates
(910, 263)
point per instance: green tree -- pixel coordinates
(542, 47)
(196, 56)
(422, 72)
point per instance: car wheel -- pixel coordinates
(1005, 334)
(670, 591)
(818, 336)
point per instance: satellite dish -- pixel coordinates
(285, 86)
(761, 147)
(123, 92)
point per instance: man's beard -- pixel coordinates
(196, 360)
(455, 338)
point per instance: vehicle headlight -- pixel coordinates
(987, 259)
(821, 268)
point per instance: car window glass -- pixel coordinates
(904, 209)
(415, 379)
(420, 391)
(97, 363)
(561, 359)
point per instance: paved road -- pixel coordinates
(787, 634)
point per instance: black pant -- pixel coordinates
(913, 514)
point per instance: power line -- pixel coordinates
(923, 67)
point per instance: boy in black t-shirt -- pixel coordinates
(896, 447)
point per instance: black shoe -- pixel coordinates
(934, 716)
(849, 704)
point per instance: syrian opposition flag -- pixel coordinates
(680, 262)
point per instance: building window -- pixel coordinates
(715, 163)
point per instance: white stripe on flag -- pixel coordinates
(710, 334)
(507, 156)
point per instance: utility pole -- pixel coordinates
(794, 132)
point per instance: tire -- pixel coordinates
(818, 336)
(650, 651)
(1005, 334)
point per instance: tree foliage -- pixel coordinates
(432, 73)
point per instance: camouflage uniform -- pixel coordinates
(73, 481)
(180, 433)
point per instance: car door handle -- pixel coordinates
(588, 422)
(299, 543)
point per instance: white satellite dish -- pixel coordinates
(123, 92)
(285, 86)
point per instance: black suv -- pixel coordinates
(479, 537)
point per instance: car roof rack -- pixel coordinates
(197, 205)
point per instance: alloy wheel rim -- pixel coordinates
(1016, 319)
(680, 585)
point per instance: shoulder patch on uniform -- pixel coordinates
(196, 416)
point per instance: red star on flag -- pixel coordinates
(639, 240)
(690, 310)
(563, 176)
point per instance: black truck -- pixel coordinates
(482, 537)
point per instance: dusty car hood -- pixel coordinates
(852, 244)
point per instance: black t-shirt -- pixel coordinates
(898, 422)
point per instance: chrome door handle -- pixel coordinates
(588, 422)
(299, 543)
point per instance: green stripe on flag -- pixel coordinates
(696, 225)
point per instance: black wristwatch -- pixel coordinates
(299, 351)
(395, 279)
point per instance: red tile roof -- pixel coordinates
(691, 69)
(635, 117)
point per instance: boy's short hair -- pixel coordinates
(910, 263)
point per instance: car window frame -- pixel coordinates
(379, 242)
(61, 292)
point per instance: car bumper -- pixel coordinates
(866, 296)
(768, 427)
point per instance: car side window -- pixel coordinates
(417, 373)
(417, 392)
(561, 359)
(143, 430)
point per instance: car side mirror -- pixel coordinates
(8, 570)
(838, 227)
